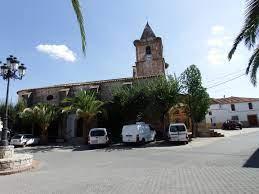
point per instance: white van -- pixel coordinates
(138, 133)
(98, 136)
(178, 133)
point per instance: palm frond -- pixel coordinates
(80, 20)
(238, 39)
(253, 65)
(84, 104)
(249, 32)
(251, 60)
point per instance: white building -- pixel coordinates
(245, 110)
(1, 125)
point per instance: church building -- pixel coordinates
(149, 63)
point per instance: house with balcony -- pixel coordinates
(245, 110)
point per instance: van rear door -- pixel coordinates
(182, 133)
(173, 133)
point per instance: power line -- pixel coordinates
(226, 75)
(213, 86)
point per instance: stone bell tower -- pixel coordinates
(149, 55)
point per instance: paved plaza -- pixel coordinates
(206, 165)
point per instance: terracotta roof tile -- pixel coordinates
(232, 99)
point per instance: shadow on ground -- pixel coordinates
(49, 148)
(253, 161)
(121, 147)
(76, 148)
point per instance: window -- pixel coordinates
(94, 89)
(235, 118)
(210, 113)
(28, 136)
(17, 137)
(28, 99)
(148, 50)
(62, 94)
(250, 106)
(233, 108)
(50, 97)
(176, 128)
(127, 85)
(97, 133)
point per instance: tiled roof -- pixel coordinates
(88, 83)
(148, 33)
(232, 99)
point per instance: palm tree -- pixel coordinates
(86, 106)
(42, 115)
(249, 34)
(80, 20)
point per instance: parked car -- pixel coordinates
(178, 132)
(98, 136)
(138, 133)
(24, 140)
(230, 124)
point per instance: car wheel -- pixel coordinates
(143, 141)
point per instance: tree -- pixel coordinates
(42, 115)
(133, 100)
(86, 106)
(249, 34)
(165, 94)
(13, 113)
(149, 100)
(195, 97)
(80, 20)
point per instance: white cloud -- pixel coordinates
(57, 51)
(216, 42)
(217, 56)
(218, 46)
(217, 29)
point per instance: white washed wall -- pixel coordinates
(221, 113)
(1, 125)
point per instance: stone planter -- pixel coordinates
(12, 163)
(6, 152)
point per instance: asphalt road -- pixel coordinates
(221, 165)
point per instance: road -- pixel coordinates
(216, 165)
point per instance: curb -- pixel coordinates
(35, 165)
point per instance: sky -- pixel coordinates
(44, 35)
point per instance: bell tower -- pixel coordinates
(149, 55)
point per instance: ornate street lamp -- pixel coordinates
(12, 69)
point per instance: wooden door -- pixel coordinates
(252, 120)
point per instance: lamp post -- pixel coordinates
(12, 69)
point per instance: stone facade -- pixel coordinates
(10, 162)
(55, 94)
(6, 152)
(149, 64)
(149, 54)
(18, 162)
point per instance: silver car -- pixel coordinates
(24, 140)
